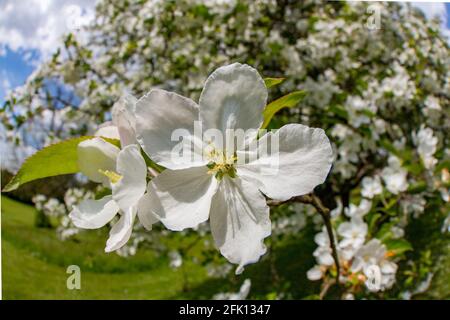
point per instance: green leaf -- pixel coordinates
(373, 219)
(54, 160)
(398, 246)
(271, 82)
(385, 232)
(339, 111)
(418, 187)
(288, 101)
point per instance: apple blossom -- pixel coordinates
(124, 171)
(426, 146)
(374, 253)
(394, 176)
(315, 273)
(353, 232)
(358, 210)
(371, 186)
(217, 183)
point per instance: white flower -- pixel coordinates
(348, 296)
(353, 232)
(323, 253)
(315, 273)
(371, 187)
(431, 102)
(219, 185)
(175, 259)
(370, 254)
(123, 124)
(124, 171)
(426, 146)
(373, 254)
(394, 176)
(241, 295)
(413, 204)
(445, 194)
(358, 211)
(397, 232)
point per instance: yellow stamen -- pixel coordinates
(114, 177)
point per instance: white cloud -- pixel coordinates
(39, 24)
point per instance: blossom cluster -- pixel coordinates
(380, 95)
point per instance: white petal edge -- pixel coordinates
(131, 187)
(162, 119)
(240, 221)
(108, 130)
(182, 198)
(303, 161)
(94, 214)
(94, 155)
(234, 97)
(123, 117)
(120, 233)
(145, 213)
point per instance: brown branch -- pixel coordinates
(313, 200)
(325, 288)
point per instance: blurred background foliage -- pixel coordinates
(381, 94)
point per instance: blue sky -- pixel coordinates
(28, 37)
(15, 68)
(447, 8)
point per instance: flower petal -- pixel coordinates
(93, 214)
(124, 119)
(131, 187)
(108, 130)
(182, 198)
(302, 162)
(162, 118)
(234, 97)
(145, 213)
(120, 233)
(94, 155)
(240, 221)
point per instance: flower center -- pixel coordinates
(114, 177)
(221, 164)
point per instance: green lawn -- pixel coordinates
(34, 263)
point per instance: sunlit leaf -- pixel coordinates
(288, 101)
(271, 82)
(54, 160)
(398, 246)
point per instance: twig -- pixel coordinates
(313, 200)
(325, 288)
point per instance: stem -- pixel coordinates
(325, 288)
(313, 200)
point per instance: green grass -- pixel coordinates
(35, 261)
(34, 264)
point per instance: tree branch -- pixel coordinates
(315, 201)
